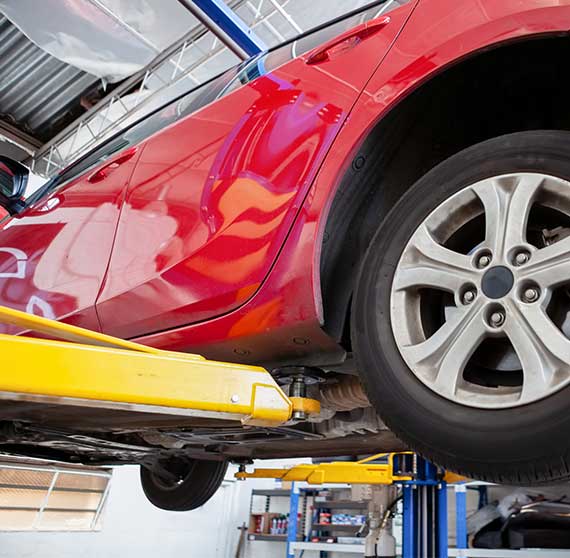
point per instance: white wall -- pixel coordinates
(132, 527)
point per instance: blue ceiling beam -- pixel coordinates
(226, 24)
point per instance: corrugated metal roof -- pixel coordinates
(35, 88)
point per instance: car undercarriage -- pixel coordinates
(98, 436)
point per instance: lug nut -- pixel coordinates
(531, 294)
(521, 258)
(468, 296)
(484, 261)
(497, 319)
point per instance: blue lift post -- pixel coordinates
(425, 525)
(293, 515)
(425, 513)
(461, 515)
(231, 24)
(442, 527)
(409, 523)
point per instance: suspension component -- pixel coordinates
(298, 378)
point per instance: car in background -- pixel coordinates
(381, 207)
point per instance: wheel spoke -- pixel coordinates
(429, 264)
(549, 266)
(541, 347)
(448, 350)
(507, 204)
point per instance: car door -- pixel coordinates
(53, 255)
(214, 194)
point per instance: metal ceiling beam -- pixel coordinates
(12, 134)
(230, 29)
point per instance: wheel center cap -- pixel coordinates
(497, 282)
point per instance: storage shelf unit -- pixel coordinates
(268, 494)
(326, 530)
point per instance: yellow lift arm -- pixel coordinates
(91, 369)
(345, 472)
(337, 472)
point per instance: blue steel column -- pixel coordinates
(293, 513)
(425, 529)
(409, 522)
(231, 24)
(461, 515)
(441, 519)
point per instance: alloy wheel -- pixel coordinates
(479, 300)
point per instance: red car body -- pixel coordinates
(206, 236)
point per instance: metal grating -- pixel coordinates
(36, 89)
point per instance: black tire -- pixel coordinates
(199, 481)
(521, 445)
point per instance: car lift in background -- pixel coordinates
(424, 494)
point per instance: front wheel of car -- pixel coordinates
(181, 483)
(461, 318)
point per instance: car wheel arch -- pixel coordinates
(379, 171)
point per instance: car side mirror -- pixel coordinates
(13, 183)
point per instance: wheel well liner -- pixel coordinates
(510, 87)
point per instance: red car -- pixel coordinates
(385, 199)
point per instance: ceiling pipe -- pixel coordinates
(230, 29)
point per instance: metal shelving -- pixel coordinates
(334, 527)
(341, 504)
(271, 492)
(268, 494)
(261, 537)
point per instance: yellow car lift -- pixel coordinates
(85, 368)
(343, 472)
(347, 472)
(423, 491)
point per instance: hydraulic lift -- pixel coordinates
(423, 491)
(83, 368)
